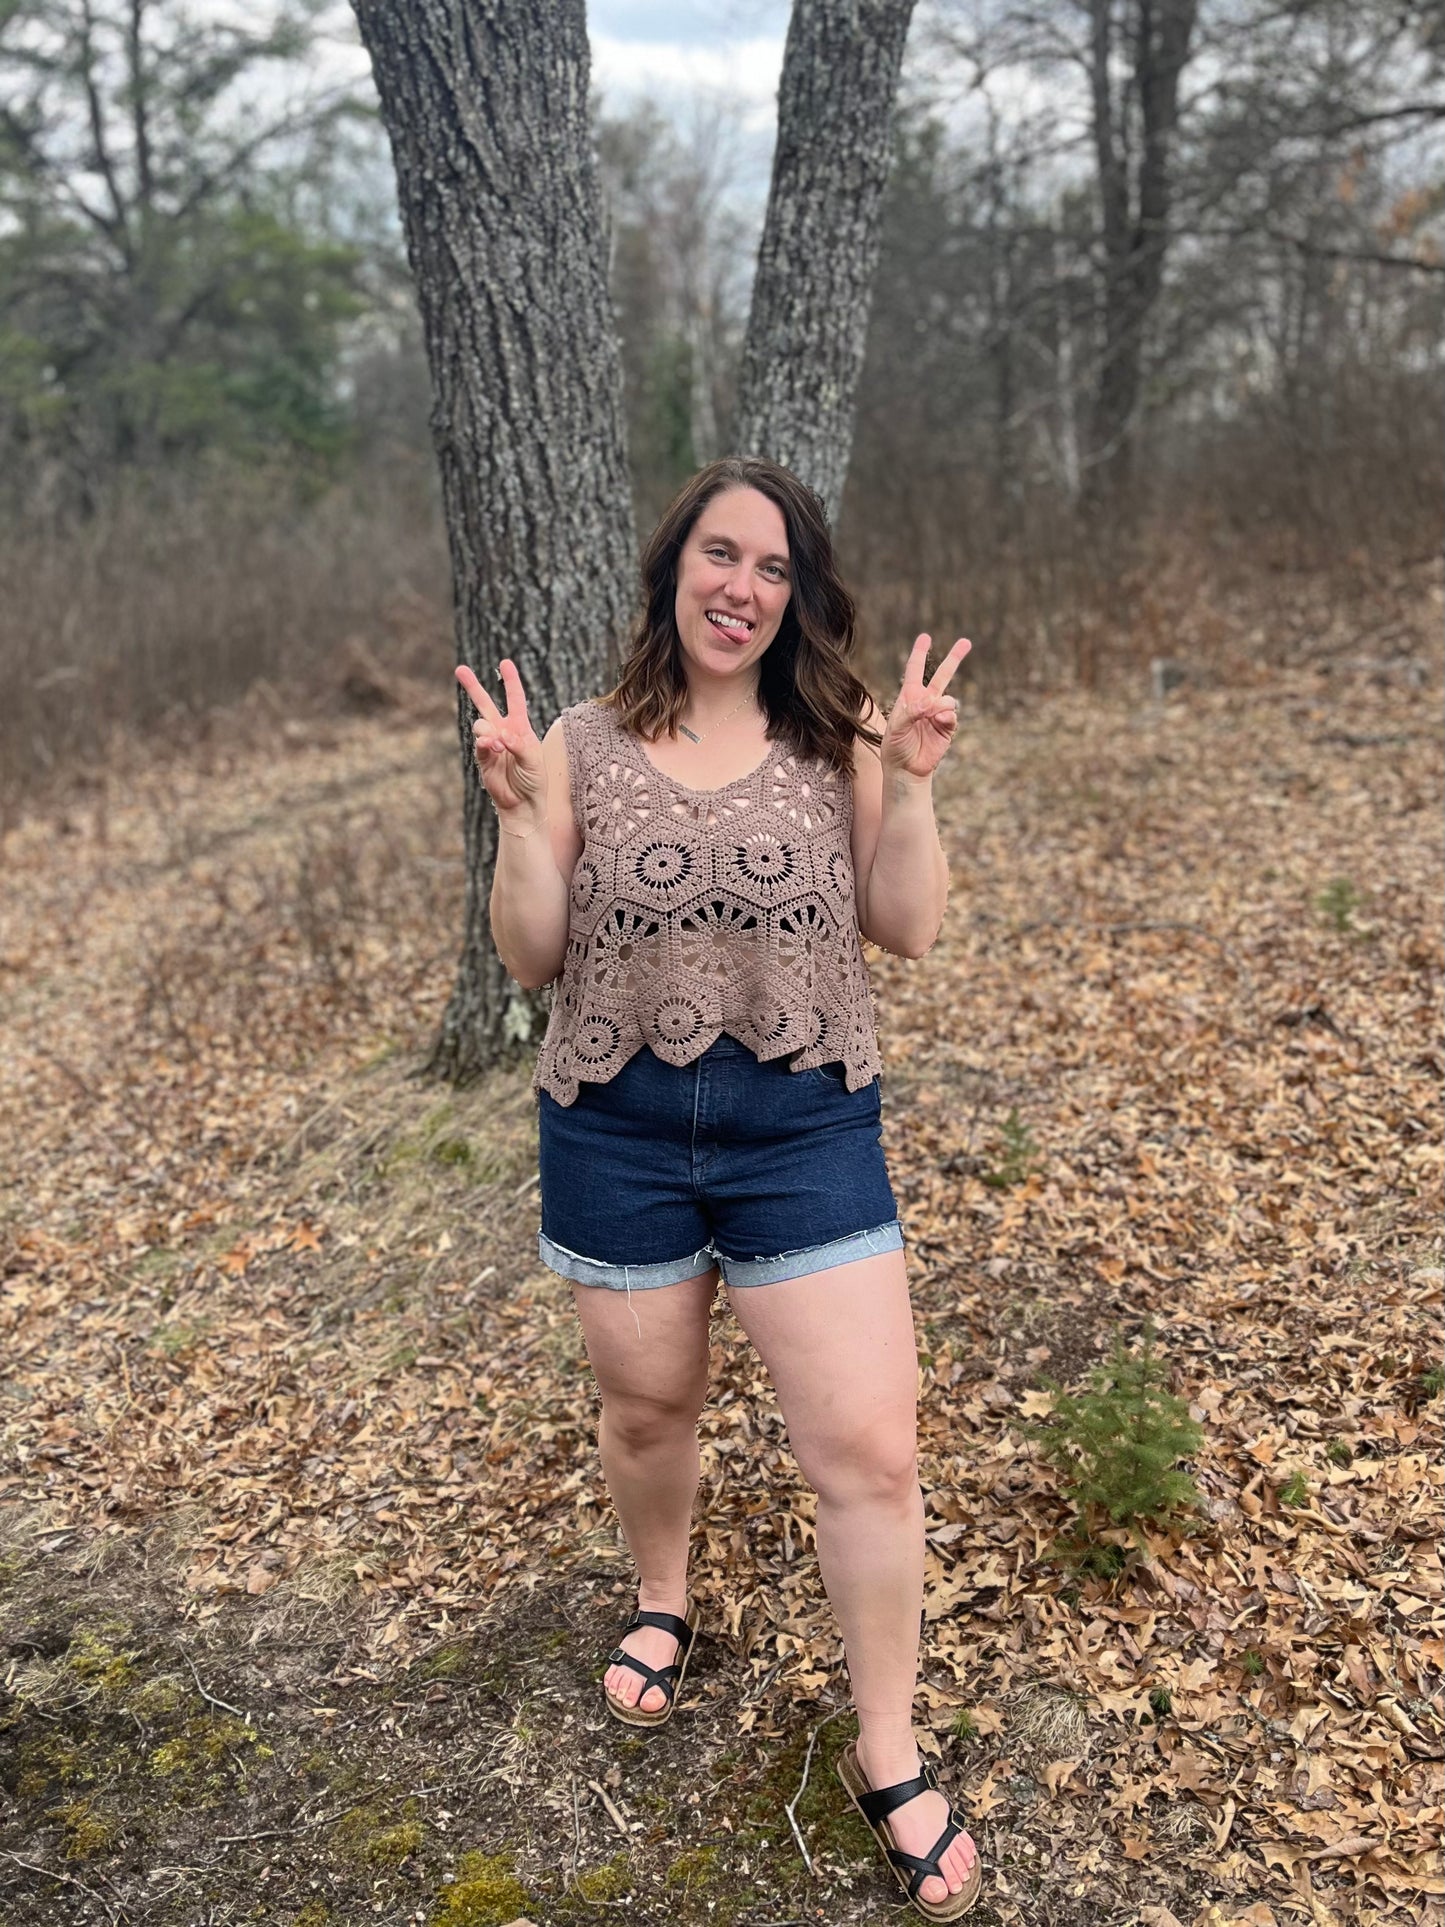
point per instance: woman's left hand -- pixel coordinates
(922, 721)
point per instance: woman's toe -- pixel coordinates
(960, 1864)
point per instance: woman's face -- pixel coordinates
(733, 583)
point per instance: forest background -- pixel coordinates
(215, 464)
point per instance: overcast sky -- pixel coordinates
(732, 47)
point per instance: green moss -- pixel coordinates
(52, 1758)
(156, 1698)
(389, 1846)
(694, 1868)
(92, 1657)
(445, 1663)
(486, 1893)
(606, 1883)
(315, 1913)
(170, 1340)
(826, 1816)
(204, 1742)
(156, 1262)
(368, 1834)
(86, 1831)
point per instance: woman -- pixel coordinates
(696, 855)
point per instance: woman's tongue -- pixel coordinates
(733, 635)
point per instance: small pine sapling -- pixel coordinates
(1117, 1446)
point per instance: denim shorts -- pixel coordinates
(667, 1169)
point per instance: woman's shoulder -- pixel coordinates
(589, 713)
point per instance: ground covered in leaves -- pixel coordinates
(307, 1576)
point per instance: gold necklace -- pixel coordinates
(718, 724)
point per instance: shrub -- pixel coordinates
(1117, 1447)
(1019, 1151)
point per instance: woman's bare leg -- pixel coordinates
(840, 1348)
(653, 1383)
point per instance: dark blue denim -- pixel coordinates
(666, 1170)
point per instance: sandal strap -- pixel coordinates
(926, 1866)
(879, 1802)
(668, 1622)
(661, 1678)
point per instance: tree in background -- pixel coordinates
(487, 111)
(808, 323)
(679, 251)
(155, 298)
(1229, 254)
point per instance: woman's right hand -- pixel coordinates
(508, 754)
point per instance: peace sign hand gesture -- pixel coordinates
(922, 721)
(508, 754)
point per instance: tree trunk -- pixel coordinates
(486, 107)
(1135, 217)
(809, 320)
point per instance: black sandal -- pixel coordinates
(875, 1803)
(684, 1631)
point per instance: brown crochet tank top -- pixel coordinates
(695, 912)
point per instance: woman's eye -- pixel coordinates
(772, 567)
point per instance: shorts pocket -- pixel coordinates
(832, 1074)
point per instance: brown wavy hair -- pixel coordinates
(810, 696)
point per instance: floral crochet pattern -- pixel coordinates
(694, 912)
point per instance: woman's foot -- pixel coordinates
(919, 1821)
(653, 1647)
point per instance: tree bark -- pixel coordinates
(808, 325)
(1135, 216)
(486, 106)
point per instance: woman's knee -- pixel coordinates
(664, 1417)
(879, 1463)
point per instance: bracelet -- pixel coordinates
(519, 835)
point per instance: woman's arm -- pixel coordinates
(908, 886)
(900, 871)
(530, 907)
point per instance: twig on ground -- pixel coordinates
(281, 1833)
(210, 1698)
(68, 1878)
(617, 1818)
(576, 1832)
(802, 1785)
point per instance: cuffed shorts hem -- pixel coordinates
(591, 1271)
(736, 1272)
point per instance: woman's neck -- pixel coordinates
(707, 709)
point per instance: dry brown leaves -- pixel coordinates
(1176, 1053)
